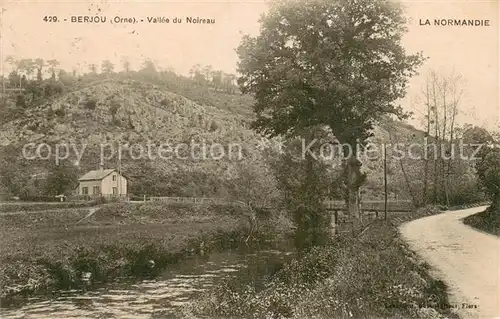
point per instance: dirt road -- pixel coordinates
(468, 261)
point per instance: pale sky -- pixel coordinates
(470, 51)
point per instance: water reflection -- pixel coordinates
(164, 294)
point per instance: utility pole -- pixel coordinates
(385, 182)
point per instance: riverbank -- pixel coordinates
(46, 252)
(373, 275)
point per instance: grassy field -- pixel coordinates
(50, 251)
(374, 275)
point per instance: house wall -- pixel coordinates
(120, 183)
(90, 185)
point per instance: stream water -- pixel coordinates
(146, 299)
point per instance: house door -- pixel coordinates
(115, 191)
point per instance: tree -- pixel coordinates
(29, 67)
(66, 78)
(195, 69)
(61, 179)
(12, 61)
(148, 66)
(207, 71)
(304, 183)
(488, 170)
(53, 64)
(14, 79)
(334, 63)
(11, 166)
(107, 67)
(442, 93)
(21, 69)
(39, 63)
(228, 82)
(126, 64)
(217, 79)
(93, 68)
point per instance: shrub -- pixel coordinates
(213, 126)
(60, 112)
(164, 102)
(21, 101)
(113, 109)
(91, 104)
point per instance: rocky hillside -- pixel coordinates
(123, 111)
(126, 112)
(106, 114)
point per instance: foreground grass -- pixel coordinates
(374, 275)
(50, 251)
(487, 221)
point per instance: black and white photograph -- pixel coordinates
(250, 159)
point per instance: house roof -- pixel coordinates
(96, 174)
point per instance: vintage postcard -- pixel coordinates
(250, 159)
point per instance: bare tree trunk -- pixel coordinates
(426, 169)
(452, 125)
(405, 175)
(444, 177)
(437, 140)
(353, 180)
(407, 180)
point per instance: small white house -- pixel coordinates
(105, 182)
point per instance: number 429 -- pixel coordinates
(50, 19)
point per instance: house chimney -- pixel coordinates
(101, 167)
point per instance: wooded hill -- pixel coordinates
(157, 107)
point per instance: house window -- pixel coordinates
(114, 178)
(115, 191)
(96, 190)
(85, 190)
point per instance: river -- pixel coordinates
(163, 295)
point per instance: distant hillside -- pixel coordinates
(119, 110)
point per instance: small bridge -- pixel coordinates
(370, 210)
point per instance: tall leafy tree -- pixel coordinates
(338, 63)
